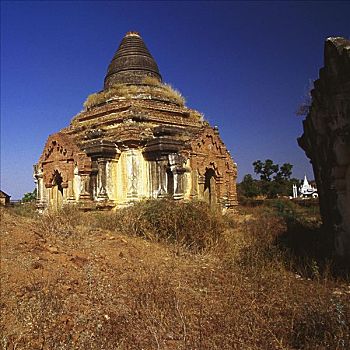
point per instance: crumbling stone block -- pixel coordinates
(326, 141)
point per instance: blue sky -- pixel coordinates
(245, 65)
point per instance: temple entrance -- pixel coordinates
(57, 191)
(170, 182)
(210, 187)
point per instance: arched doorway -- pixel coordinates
(57, 190)
(210, 187)
(170, 182)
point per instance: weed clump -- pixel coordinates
(254, 247)
(120, 90)
(24, 209)
(151, 87)
(190, 224)
(161, 89)
(62, 222)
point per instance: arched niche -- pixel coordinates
(56, 190)
(209, 191)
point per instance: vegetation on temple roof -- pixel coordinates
(150, 89)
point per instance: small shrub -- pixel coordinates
(27, 209)
(253, 246)
(196, 115)
(30, 196)
(62, 222)
(286, 209)
(164, 90)
(173, 94)
(191, 224)
(327, 325)
(148, 80)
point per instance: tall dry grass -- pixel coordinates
(24, 209)
(152, 87)
(193, 225)
(235, 288)
(118, 90)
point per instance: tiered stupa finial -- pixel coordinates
(132, 63)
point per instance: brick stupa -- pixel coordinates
(134, 140)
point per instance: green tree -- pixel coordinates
(282, 182)
(29, 196)
(275, 180)
(265, 169)
(249, 187)
(284, 172)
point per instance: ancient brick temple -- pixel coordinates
(326, 141)
(135, 139)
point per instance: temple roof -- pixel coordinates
(131, 63)
(132, 108)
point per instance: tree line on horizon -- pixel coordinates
(274, 181)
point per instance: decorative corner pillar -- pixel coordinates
(85, 185)
(132, 176)
(101, 152)
(41, 202)
(102, 179)
(179, 182)
(70, 192)
(194, 184)
(162, 178)
(201, 182)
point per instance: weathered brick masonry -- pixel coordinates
(326, 141)
(135, 139)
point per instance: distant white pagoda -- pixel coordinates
(305, 190)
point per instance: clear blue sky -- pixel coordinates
(245, 65)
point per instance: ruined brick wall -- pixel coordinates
(208, 152)
(326, 141)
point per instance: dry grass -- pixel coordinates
(152, 81)
(168, 275)
(196, 115)
(63, 222)
(192, 225)
(24, 209)
(118, 90)
(164, 90)
(171, 94)
(152, 87)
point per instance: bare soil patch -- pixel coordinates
(78, 285)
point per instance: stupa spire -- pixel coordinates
(131, 63)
